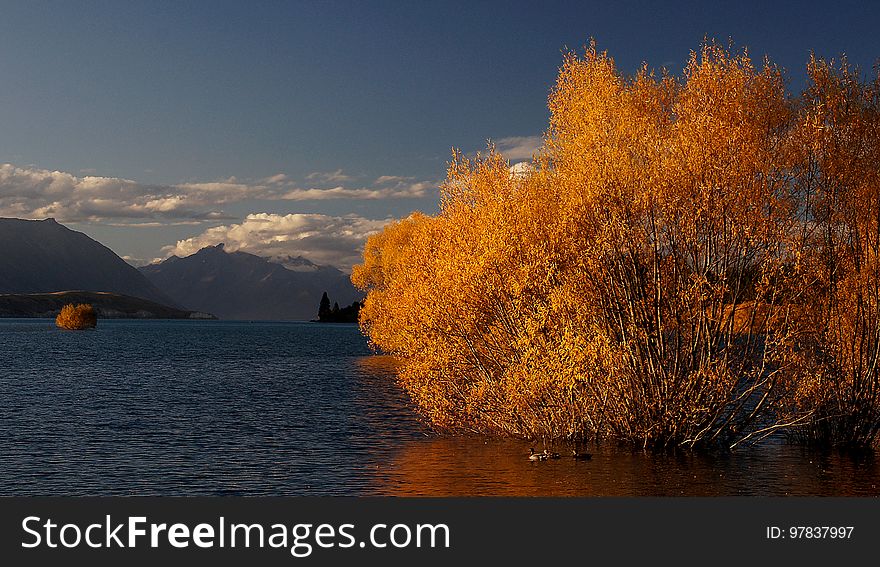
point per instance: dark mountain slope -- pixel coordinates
(239, 285)
(44, 256)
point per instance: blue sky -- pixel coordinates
(143, 124)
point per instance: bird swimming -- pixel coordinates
(533, 456)
(581, 456)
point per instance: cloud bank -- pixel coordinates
(517, 148)
(323, 239)
(29, 192)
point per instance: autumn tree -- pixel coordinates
(837, 347)
(679, 202)
(77, 317)
(645, 279)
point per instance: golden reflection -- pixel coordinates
(457, 466)
(410, 460)
(379, 365)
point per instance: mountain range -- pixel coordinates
(238, 285)
(44, 256)
(47, 257)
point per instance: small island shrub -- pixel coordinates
(77, 317)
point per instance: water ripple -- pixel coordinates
(229, 408)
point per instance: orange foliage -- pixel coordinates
(669, 272)
(836, 350)
(77, 317)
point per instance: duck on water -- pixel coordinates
(545, 455)
(533, 456)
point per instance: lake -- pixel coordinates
(264, 408)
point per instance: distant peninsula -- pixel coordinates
(108, 306)
(327, 314)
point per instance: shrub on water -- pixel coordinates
(688, 261)
(77, 317)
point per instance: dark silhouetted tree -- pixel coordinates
(324, 307)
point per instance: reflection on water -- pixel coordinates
(466, 467)
(377, 366)
(438, 465)
(234, 408)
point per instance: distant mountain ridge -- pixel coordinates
(108, 306)
(239, 285)
(44, 256)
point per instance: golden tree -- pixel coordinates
(649, 278)
(77, 317)
(680, 203)
(837, 346)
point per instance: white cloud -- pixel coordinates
(276, 179)
(398, 190)
(30, 192)
(391, 179)
(323, 239)
(39, 193)
(138, 262)
(521, 170)
(153, 224)
(519, 147)
(329, 176)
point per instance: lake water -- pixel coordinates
(236, 408)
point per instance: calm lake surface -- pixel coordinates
(236, 408)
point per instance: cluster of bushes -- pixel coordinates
(689, 261)
(77, 317)
(335, 314)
